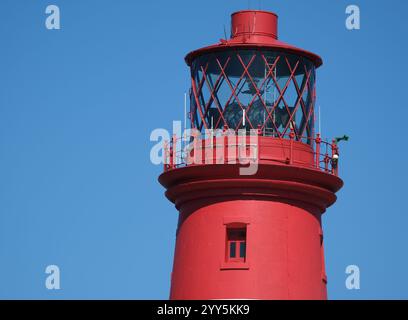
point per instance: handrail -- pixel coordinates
(325, 154)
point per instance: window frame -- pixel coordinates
(237, 241)
(237, 262)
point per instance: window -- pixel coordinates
(236, 244)
(274, 88)
(236, 254)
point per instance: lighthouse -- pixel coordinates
(255, 235)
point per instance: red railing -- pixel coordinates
(325, 154)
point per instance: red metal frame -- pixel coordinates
(281, 97)
(300, 97)
(213, 91)
(301, 90)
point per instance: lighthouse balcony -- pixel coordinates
(228, 148)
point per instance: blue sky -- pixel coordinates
(77, 105)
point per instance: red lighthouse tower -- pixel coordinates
(256, 236)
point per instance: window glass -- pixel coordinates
(242, 250)
(275, 89)
(233, 249)
(236, 244)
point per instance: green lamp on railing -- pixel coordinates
(343, 138)
(335, 158)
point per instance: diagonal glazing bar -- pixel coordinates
(281, 95)
(300, 92)
(213, 93)
(246, 70)
(299, 101)
(197, 93)
(233, 88)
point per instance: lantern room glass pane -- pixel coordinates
(251, 89)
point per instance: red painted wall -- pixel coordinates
(283, 253)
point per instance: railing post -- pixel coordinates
(225, 142)
(165, 156)
(292, 137)
(258, 147)
(326, 162)
(173, 142)
(318, 141)
(335, 157)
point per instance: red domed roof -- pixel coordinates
(252, 29)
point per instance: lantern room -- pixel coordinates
(254, 81)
